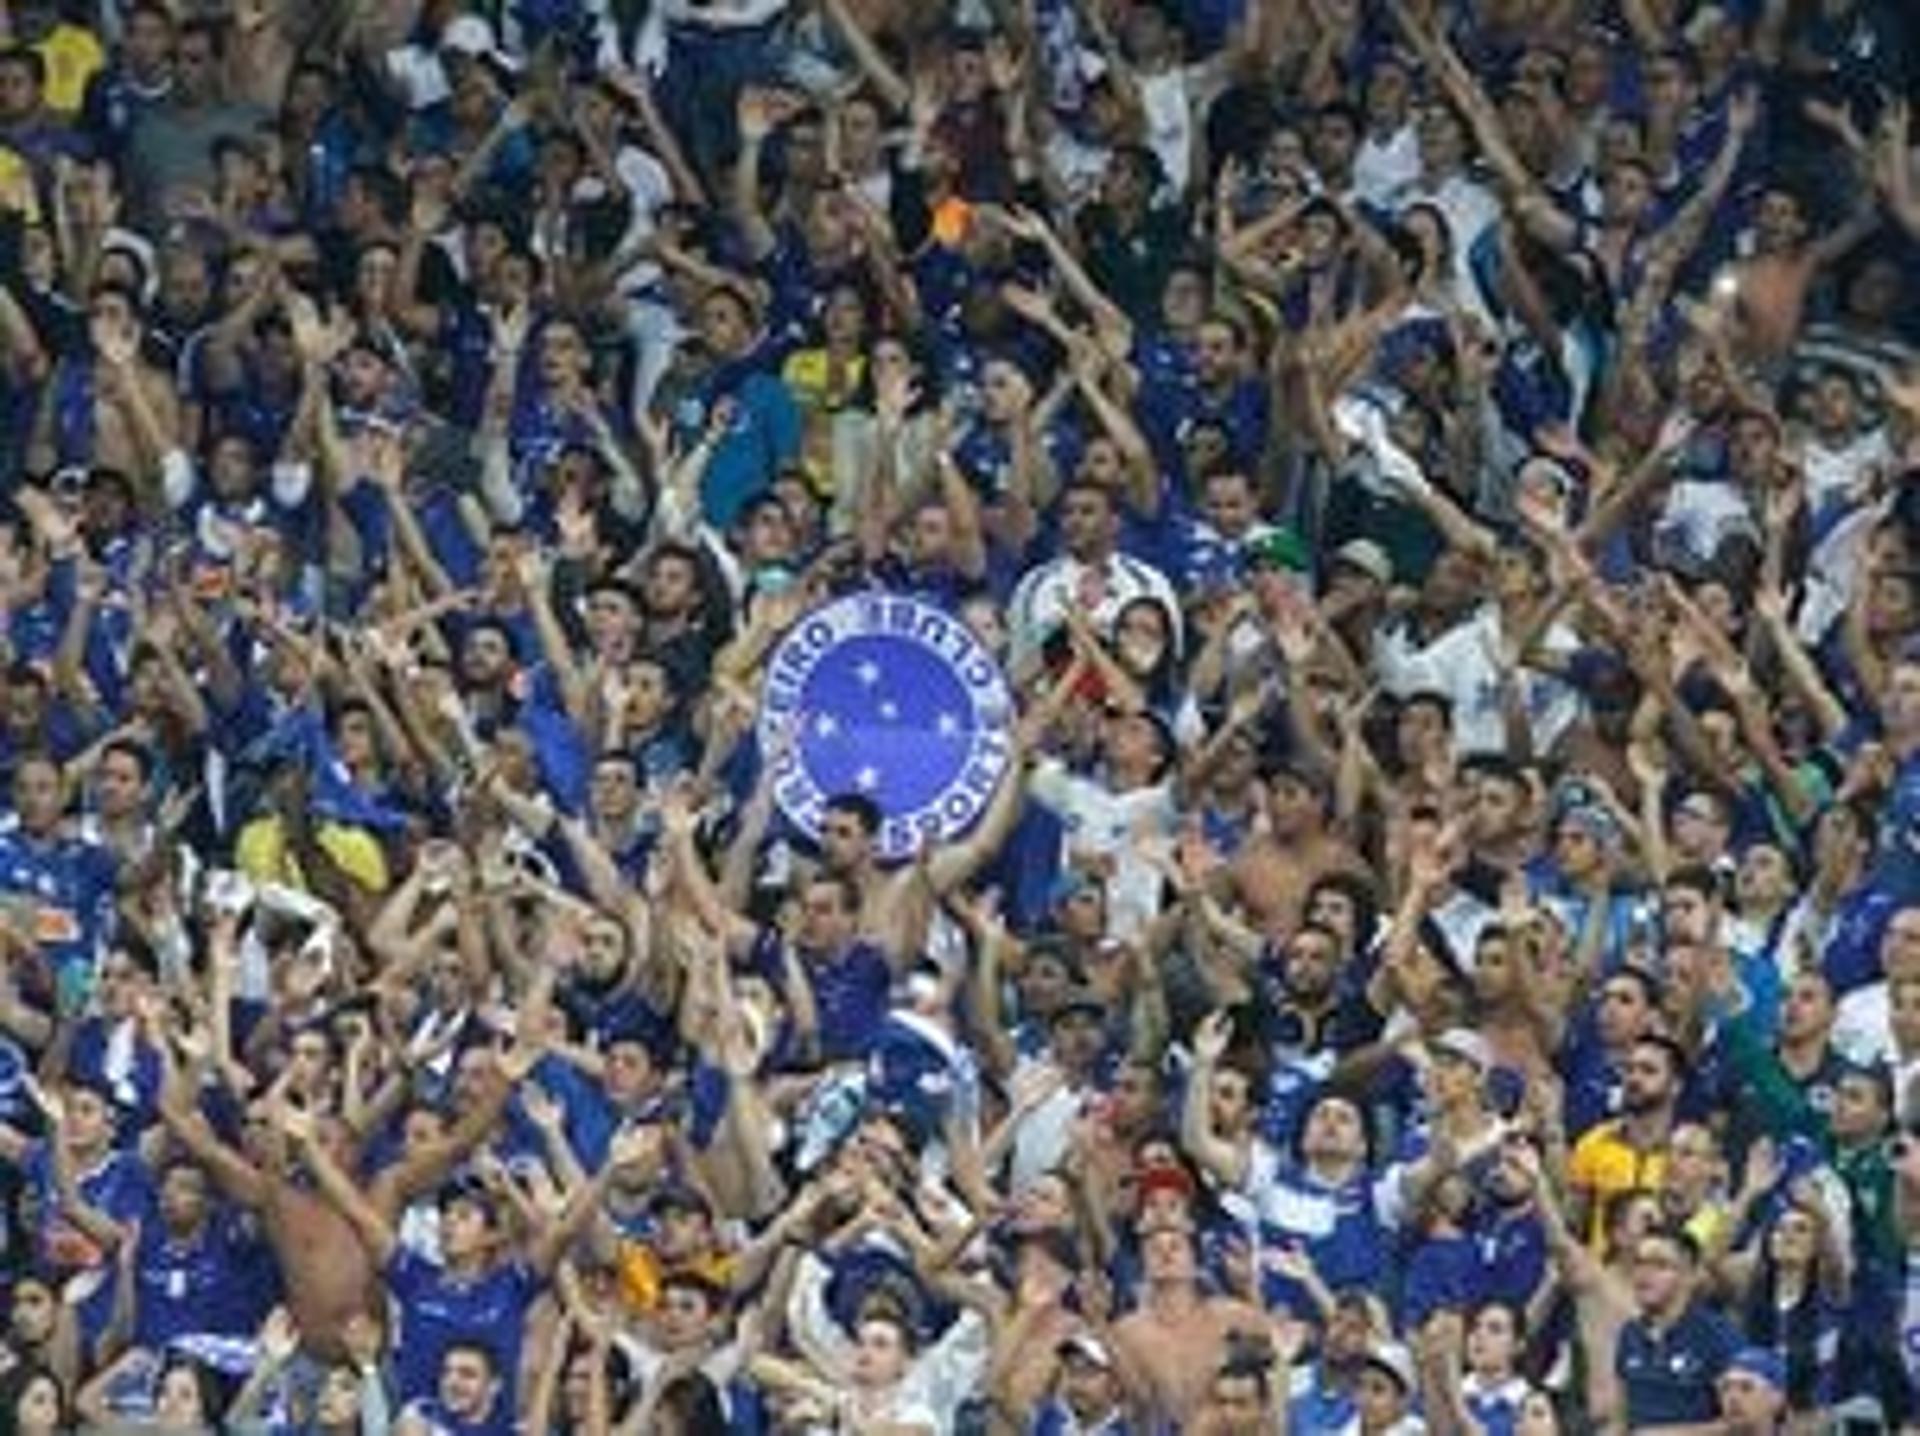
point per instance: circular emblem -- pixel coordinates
(892, 699)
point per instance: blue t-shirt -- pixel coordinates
(193, 1287)
(850, 993)
(1340, 1227)
(1496, 1408)
(1441, 1274)
(71, 883)
(1896, 868)
(435, 1309)
(1669, 1376)
(119, 1188)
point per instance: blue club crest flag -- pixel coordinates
(893, 699)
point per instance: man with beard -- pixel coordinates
(1593, 1062)
(1629, 1152)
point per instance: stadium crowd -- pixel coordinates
(1438, 946)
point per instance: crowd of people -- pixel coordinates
(1436, 947)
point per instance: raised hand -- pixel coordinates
(279, 1338)
(1763, 1167)
(541, 1107)
(1212, 1037)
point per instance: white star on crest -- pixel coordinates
(868, 673)
(867, 779)
(826, 725)
(946, 725)
(889, 710)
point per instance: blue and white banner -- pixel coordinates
(892, 699)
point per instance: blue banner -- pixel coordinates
(892, 699)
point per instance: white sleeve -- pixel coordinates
(1365, 424)
(814, 1330)
(417, 74)
(1390, 1196)
(1027, 619)
(292, 482)
(497, 487)
(1052, 786)
(178, 478)
(955, 1366)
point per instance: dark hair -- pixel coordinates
(1649, 985)
(211, 31)
(213, 1392)
(846, 887)
(1368, 1135)
(1614, 1205)
(1697, 878)
(488, 624)
(1431, 698)
(384, 187)
(14, 1384)
(28, 59)
(686, 1279)
(475, 1345)
(138, 951)
(1676, 1054)
(1499, 766)
(1683, 1240)
(178, 1162)
(691, 1402)
(133, 749)
(860, 808)
(1355, 889)
(1512, 1309)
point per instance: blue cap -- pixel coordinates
(1758, 1361)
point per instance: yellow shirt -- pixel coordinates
(1603, 1164)
(809, 373)
(641, 1272)
(16, 185)
(261, 853)
(73, 56)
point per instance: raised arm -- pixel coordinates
(373, 1227)
(1220, 1158)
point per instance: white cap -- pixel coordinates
(1086, 1344)
(1394, 1359)
(472, 36)
(1368, 557)
(1466, 1044)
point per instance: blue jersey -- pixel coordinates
(1340, 1226)
(70, 882)
(850, 991)
(191, 1287)
(1054, 1419)
(436, 1420)
(120, 1188)
(435, 1309)
(1669, 1375)
(1496, 1408)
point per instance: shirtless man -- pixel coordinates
(893, 902)
(1770, 287)
(332, 1280)
(1178, 1338)
(1275, 870)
